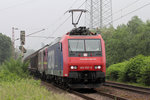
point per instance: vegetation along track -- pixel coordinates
(137, 89)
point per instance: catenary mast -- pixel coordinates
(100, 13)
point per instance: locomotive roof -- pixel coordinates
(81, 31)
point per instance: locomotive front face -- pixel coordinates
(85, 55)
(86, 60)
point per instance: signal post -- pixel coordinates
(22, 42)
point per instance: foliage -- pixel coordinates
(14, 67)
(135, 70)
(16, 84)
(6, 76)
(126, 41)
(132, 70)
(5, 48)
(145, 72)
(115, 71)
(26, 89)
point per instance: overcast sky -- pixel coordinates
(34, 15)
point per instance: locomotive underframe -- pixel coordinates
(86, 79)
(82, 79)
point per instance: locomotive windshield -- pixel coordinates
(76, 45)
(92, 45)
(85, 45)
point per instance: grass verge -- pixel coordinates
(18, 85)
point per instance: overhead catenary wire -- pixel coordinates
(63, 14)
(32, 33)
(130, 12)
(35, 32)
(29, 35)
(66, 20)
(134, 2)
(41, 37)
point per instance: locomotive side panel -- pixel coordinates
(104, 56)
(55, 66)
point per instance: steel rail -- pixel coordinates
(111, 96)
(81, 95)
(99, 93)
(128, 87)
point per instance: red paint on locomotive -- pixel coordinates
(83, 63)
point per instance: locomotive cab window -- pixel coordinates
(92, 45)
(79, 46)
(76, 45)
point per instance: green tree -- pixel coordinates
(5, 47)
(135, 25)
(126, 41)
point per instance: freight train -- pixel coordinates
(77, 60)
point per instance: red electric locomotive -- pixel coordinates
(84, 61)
(77, 59)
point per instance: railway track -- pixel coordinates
(81, 95)
(86, 96)
(114, 97)
(136, 89)
(99, 94)
(93, 96)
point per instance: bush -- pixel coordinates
(15, 67)
(135, 70)
(145, 72)
(132, 69)
(6, 76)
(114, 72)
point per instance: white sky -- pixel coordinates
(34, 15)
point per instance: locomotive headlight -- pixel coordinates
(98, 67)
(71, 67)
(95, 67)
(75, 67)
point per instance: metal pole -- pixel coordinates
(101, 14)
(22, 54)
(13, 43)
(111, 13)
(91, 15)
